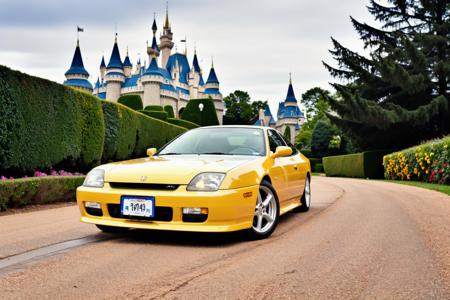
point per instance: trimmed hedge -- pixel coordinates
(154, 108)
(129, 133)
(429, 162)
(182, 123)
(207, 117)
(318, 168)
(46, 124)
(38, 190)
(169, 110)
(161, 115)
(361, 165)
(132, 101)
(314, 162)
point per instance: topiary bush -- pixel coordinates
(161, 115)
(287, 134)
(367, 164)
(169, 110)
(154, 108)
(207, 117)
(46, 124)
(428, 162)
(131, 101)
(38, 190)
(129, 133)
(182, 123)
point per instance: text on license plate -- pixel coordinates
(137, 206)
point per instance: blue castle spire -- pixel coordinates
(195, 63)
(290, 97)
(115, 61)
(127, 62)
(212, 78)
(102, 64)
(77, 66)
(153, 68)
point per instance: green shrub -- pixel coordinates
(38, 190)
(131, 101)
(287, 133)
(46, 124)
(429, 162)
(207, 117)
(314, 162)
(169, 110)
(361, 165)
(306, 152)
(153, 133)
(161, 115)
(129, 133)
(318, 168)
(154, 108)
(320, 140)
(182, 123)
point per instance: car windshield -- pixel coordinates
(218, 141)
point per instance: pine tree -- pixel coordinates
(399, 94)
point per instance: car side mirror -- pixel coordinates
(282, 151)
(151, 151)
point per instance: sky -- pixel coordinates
(255, 43)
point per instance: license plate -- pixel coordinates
(136, 206)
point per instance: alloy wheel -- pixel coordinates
(265, 210)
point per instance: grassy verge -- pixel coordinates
(430, 186)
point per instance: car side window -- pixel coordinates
(287, 143)
(274, 141)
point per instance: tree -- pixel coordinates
(315, 102)
(287, 133)
(403, 86)
(132, 101)
(322, 134)
(240, 109)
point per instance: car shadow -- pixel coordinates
(181, 238)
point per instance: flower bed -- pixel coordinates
(429, 162)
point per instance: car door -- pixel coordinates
(297, 172)
(279, 169)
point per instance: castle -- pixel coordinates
(169, 81)
(289, 116)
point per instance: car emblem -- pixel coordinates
(143, 178)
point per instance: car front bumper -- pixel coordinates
(228, 210)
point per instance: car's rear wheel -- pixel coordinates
(267, 211)
(112, 229)
(306, 197)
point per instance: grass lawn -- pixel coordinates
(431, 186)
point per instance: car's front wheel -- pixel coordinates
(112, 229)
(267, 211)
(306, 197)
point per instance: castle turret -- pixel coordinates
(102, 68)
(115, 76)
(212, 91)
(127, 66)
(77, 76)
(195, 77)
(153, 50)
(151, 81)
(138, 67)
(166, 43)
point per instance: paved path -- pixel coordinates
(361, 239)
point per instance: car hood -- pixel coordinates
(176, 169)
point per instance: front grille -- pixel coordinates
(162, 213)
(144, 186)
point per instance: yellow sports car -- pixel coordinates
(210, 179)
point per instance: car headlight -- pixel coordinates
(206, 182)
(95, 178)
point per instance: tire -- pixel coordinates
(112, 229)
(267, 213)
(306, 197)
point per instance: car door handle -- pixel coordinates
(296, 168)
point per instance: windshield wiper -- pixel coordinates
(171, 153)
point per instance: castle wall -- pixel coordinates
(113, 91)
(152, 94)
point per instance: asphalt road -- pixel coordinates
(361, 239)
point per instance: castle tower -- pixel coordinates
(77, 76)
(194, 77)
(138, 67)
(102, 68)
(115, 76)
(212, 91)
(127, 66)
(153, 50)
(151, 81)
(166, 43)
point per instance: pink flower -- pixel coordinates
(3, 178)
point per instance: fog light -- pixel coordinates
(194, 211)
(92, 205)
